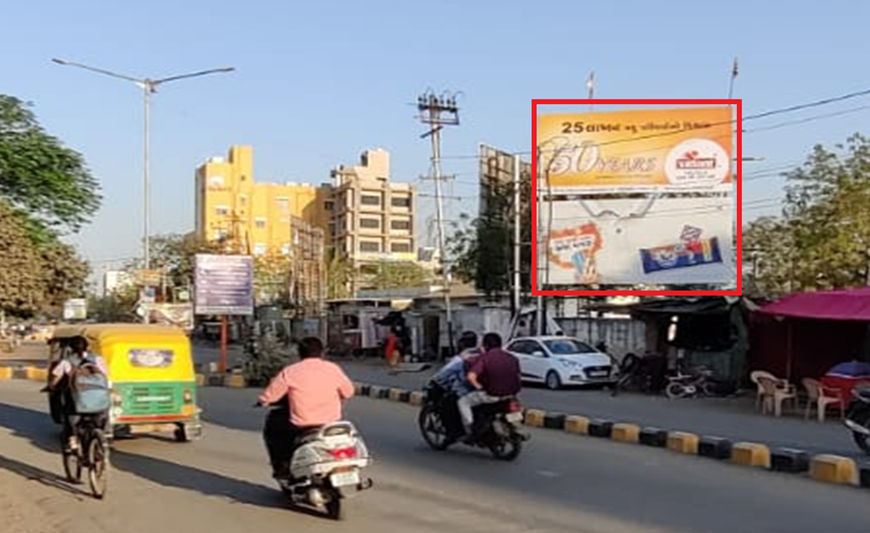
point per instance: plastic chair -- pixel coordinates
(821, 397)
(759, 393)
(775, 394)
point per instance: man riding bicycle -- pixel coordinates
(86, 391)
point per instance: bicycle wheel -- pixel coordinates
(72, 465)
(98, 465)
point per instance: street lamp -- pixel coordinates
(149, 87)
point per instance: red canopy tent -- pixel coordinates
(853, 304)
(816, 329)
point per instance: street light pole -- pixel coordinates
(149, 86)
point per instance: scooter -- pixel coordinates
(326, 467)
(858, 418)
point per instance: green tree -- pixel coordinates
(20, 282)
(482, 248)
(176, 253)
(339, 275)
(42, 177)
(822, 239)
(399, 275)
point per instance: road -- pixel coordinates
(560, 484)
(734, 419)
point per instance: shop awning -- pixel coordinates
(852, 304)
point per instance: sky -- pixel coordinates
(318, 82)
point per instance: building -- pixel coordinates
(370, 218)
(250, 217)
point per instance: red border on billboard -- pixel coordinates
(738, 178)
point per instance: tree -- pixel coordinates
(482, 248)
(20, 282)
(399, 275)
(272, 278)
(339, 275)
(176, 254)
(36, 277)
(40, 176)
(822, 239)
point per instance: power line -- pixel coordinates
(746, 118)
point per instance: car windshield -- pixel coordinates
(567, 347)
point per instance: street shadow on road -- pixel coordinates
(32, 473)
(35, 426)
(170, 474)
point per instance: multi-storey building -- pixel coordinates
(250, 217)
(370, 218)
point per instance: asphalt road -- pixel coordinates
(561, 483)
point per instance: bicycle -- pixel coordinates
(92, 453)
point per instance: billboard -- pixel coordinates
(75, 309)
(638, 151)
(224, 284)
(652, 241)
(496, 173)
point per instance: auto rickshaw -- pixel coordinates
(151, 373)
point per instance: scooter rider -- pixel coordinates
(314, 389)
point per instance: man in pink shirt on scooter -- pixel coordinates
(314, 389)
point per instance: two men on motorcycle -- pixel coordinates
(478, 377)
(313, 391)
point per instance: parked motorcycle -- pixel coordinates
(499, 423)
(326, 467)
(858, 418)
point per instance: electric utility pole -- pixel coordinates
(436, 112)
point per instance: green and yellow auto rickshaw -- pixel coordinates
(151, 373)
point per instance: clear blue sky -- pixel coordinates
(320, 81)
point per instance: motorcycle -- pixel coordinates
(858, 418)
(326, 466)
(498, 423)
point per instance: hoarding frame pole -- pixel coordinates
(222, 365)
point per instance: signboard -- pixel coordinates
(224, 285)
(645, 151)
(75, 309)
(639, 241)
(149, 278)
(396, 257)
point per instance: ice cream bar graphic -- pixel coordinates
(683, 255)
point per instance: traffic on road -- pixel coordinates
(221, 482)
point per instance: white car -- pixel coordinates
(558, 361)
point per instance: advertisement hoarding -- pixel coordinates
(652, 241)
(638, 151)
(224, 285)
(75, 309)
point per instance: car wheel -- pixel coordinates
(554, 382)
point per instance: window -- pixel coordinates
(283, 204)
(220, 235)
(216, 181)
(568, 347)
(222, 210)
(259, 249)
(400, 247)
(243, 200)
(260, 223)
(369, 246)
(368, 199)
(401, 201)
(329, 206)
(402, 225)
(285, 249)
(369, 223)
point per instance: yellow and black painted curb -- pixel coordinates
(826, 468)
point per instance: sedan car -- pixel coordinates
(558, 361)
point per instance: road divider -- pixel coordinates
(625, 433)
(825, 468)
(750, 454)
(683, 442)
(834, 469)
